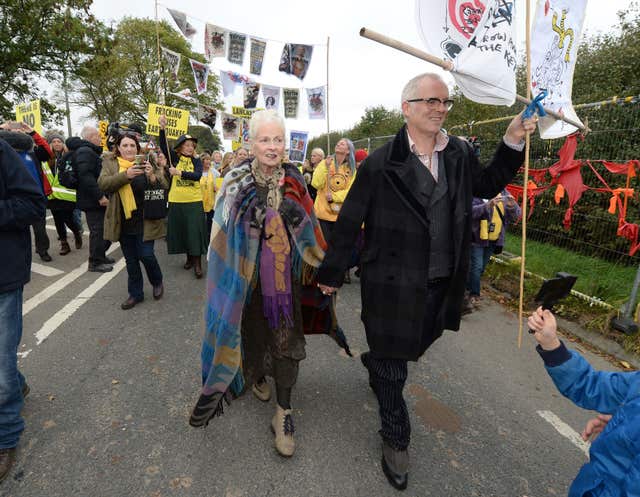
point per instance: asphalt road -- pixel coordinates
(111, 392)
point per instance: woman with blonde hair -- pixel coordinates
(208, 187)
(225, 165)
(317, 155)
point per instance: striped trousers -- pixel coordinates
(387, 378)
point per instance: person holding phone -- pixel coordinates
(614, 457)
(126, 175)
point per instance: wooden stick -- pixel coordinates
(160, 75)
(448, 66)
(327, 98)
(525, 196)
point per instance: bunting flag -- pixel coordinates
(298, 146)
(295, 59)
(208, 115)
(172, 61)
(256, 55)
(557, 29)
(271, 96)
(316, 98)
(479, 38)
(244, 131)
(200, 75)
(251, 92)
(229, 80)
(180, 19)
(215, 44)
(291, 97)
(237, 42)
(230, 126)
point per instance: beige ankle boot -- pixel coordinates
(282, 427)
(262, 390)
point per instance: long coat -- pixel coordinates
(395, 259)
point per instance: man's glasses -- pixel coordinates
(434, 102)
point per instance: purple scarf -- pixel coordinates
(275, 271)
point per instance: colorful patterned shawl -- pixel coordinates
(233, 255)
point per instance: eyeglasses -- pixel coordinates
(434, 102)
(278, 140)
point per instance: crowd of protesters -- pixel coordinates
(281, 239)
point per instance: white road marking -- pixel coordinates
(49, 227)
(55, 287)
(24, 354)
(45, 270)
(68, 310)
(565, 430)
(50, 217)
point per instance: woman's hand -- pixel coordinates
(133, 171)
(174, 172)
(595, 426)
(162, 121)
(543, 323)
(148, 168)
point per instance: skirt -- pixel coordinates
(186, 229)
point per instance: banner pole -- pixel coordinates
(448, 66)
(525, 196)
(160, 75)
(328, 128)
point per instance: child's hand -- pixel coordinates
(595, 426)
(543, 323)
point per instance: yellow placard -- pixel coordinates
(235, 145)
(29, 113)
(242, 112)
(103, 126)
(177, 120)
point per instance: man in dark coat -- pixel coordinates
(89, 198)
(22, 203)
(414, 197)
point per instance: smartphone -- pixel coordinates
(139, 160)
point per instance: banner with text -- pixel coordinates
(298, 142)
(177, 120)
(29, 113)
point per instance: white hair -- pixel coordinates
(262, 117)
(318, 151)
(411, 88)
(88, 131)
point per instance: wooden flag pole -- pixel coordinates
(327, 102)
(525, 185)
(160, 75)
(448, 66)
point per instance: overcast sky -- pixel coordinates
(362, 73)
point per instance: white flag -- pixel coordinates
(229, 80)
(215, 41)
(480, 40)
(271, 96)
(172, 59)
(230, 126)
(180, 19)
(200, 75)
(557, 28)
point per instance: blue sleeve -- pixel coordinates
(22, 202)
(631, 483)
(197, 171)
(594, 390)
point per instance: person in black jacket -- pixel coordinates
(21, 204)
(414, 197)
(89, 198)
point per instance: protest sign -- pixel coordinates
(29, 113)
(298, 146)
(177, 120)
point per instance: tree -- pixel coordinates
(207, 140)
(119, 84)
(37, 40)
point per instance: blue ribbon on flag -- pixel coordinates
(536, 106)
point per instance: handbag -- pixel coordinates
(155, 203)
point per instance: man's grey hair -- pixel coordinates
(263, 117)
(88, 131)
(411, 88)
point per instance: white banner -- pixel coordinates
(200, 75)
(271, 96)
(215, 41)
(480, 40)
(180, 19)
(230, 126)
(172, 60)
(316, 102)
(555, 37)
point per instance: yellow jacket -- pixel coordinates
(331, 179)
(209, 186)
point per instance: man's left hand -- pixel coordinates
(518, 128)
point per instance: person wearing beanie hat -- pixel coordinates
(186, 226)
(62, 201)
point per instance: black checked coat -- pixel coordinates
(395, 259)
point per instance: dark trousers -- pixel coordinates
(209, 219)
(478, 261)
(64, 218)
(97, 244)
(40, 235)
(327, 229)
(388, 377)
(137, 251)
